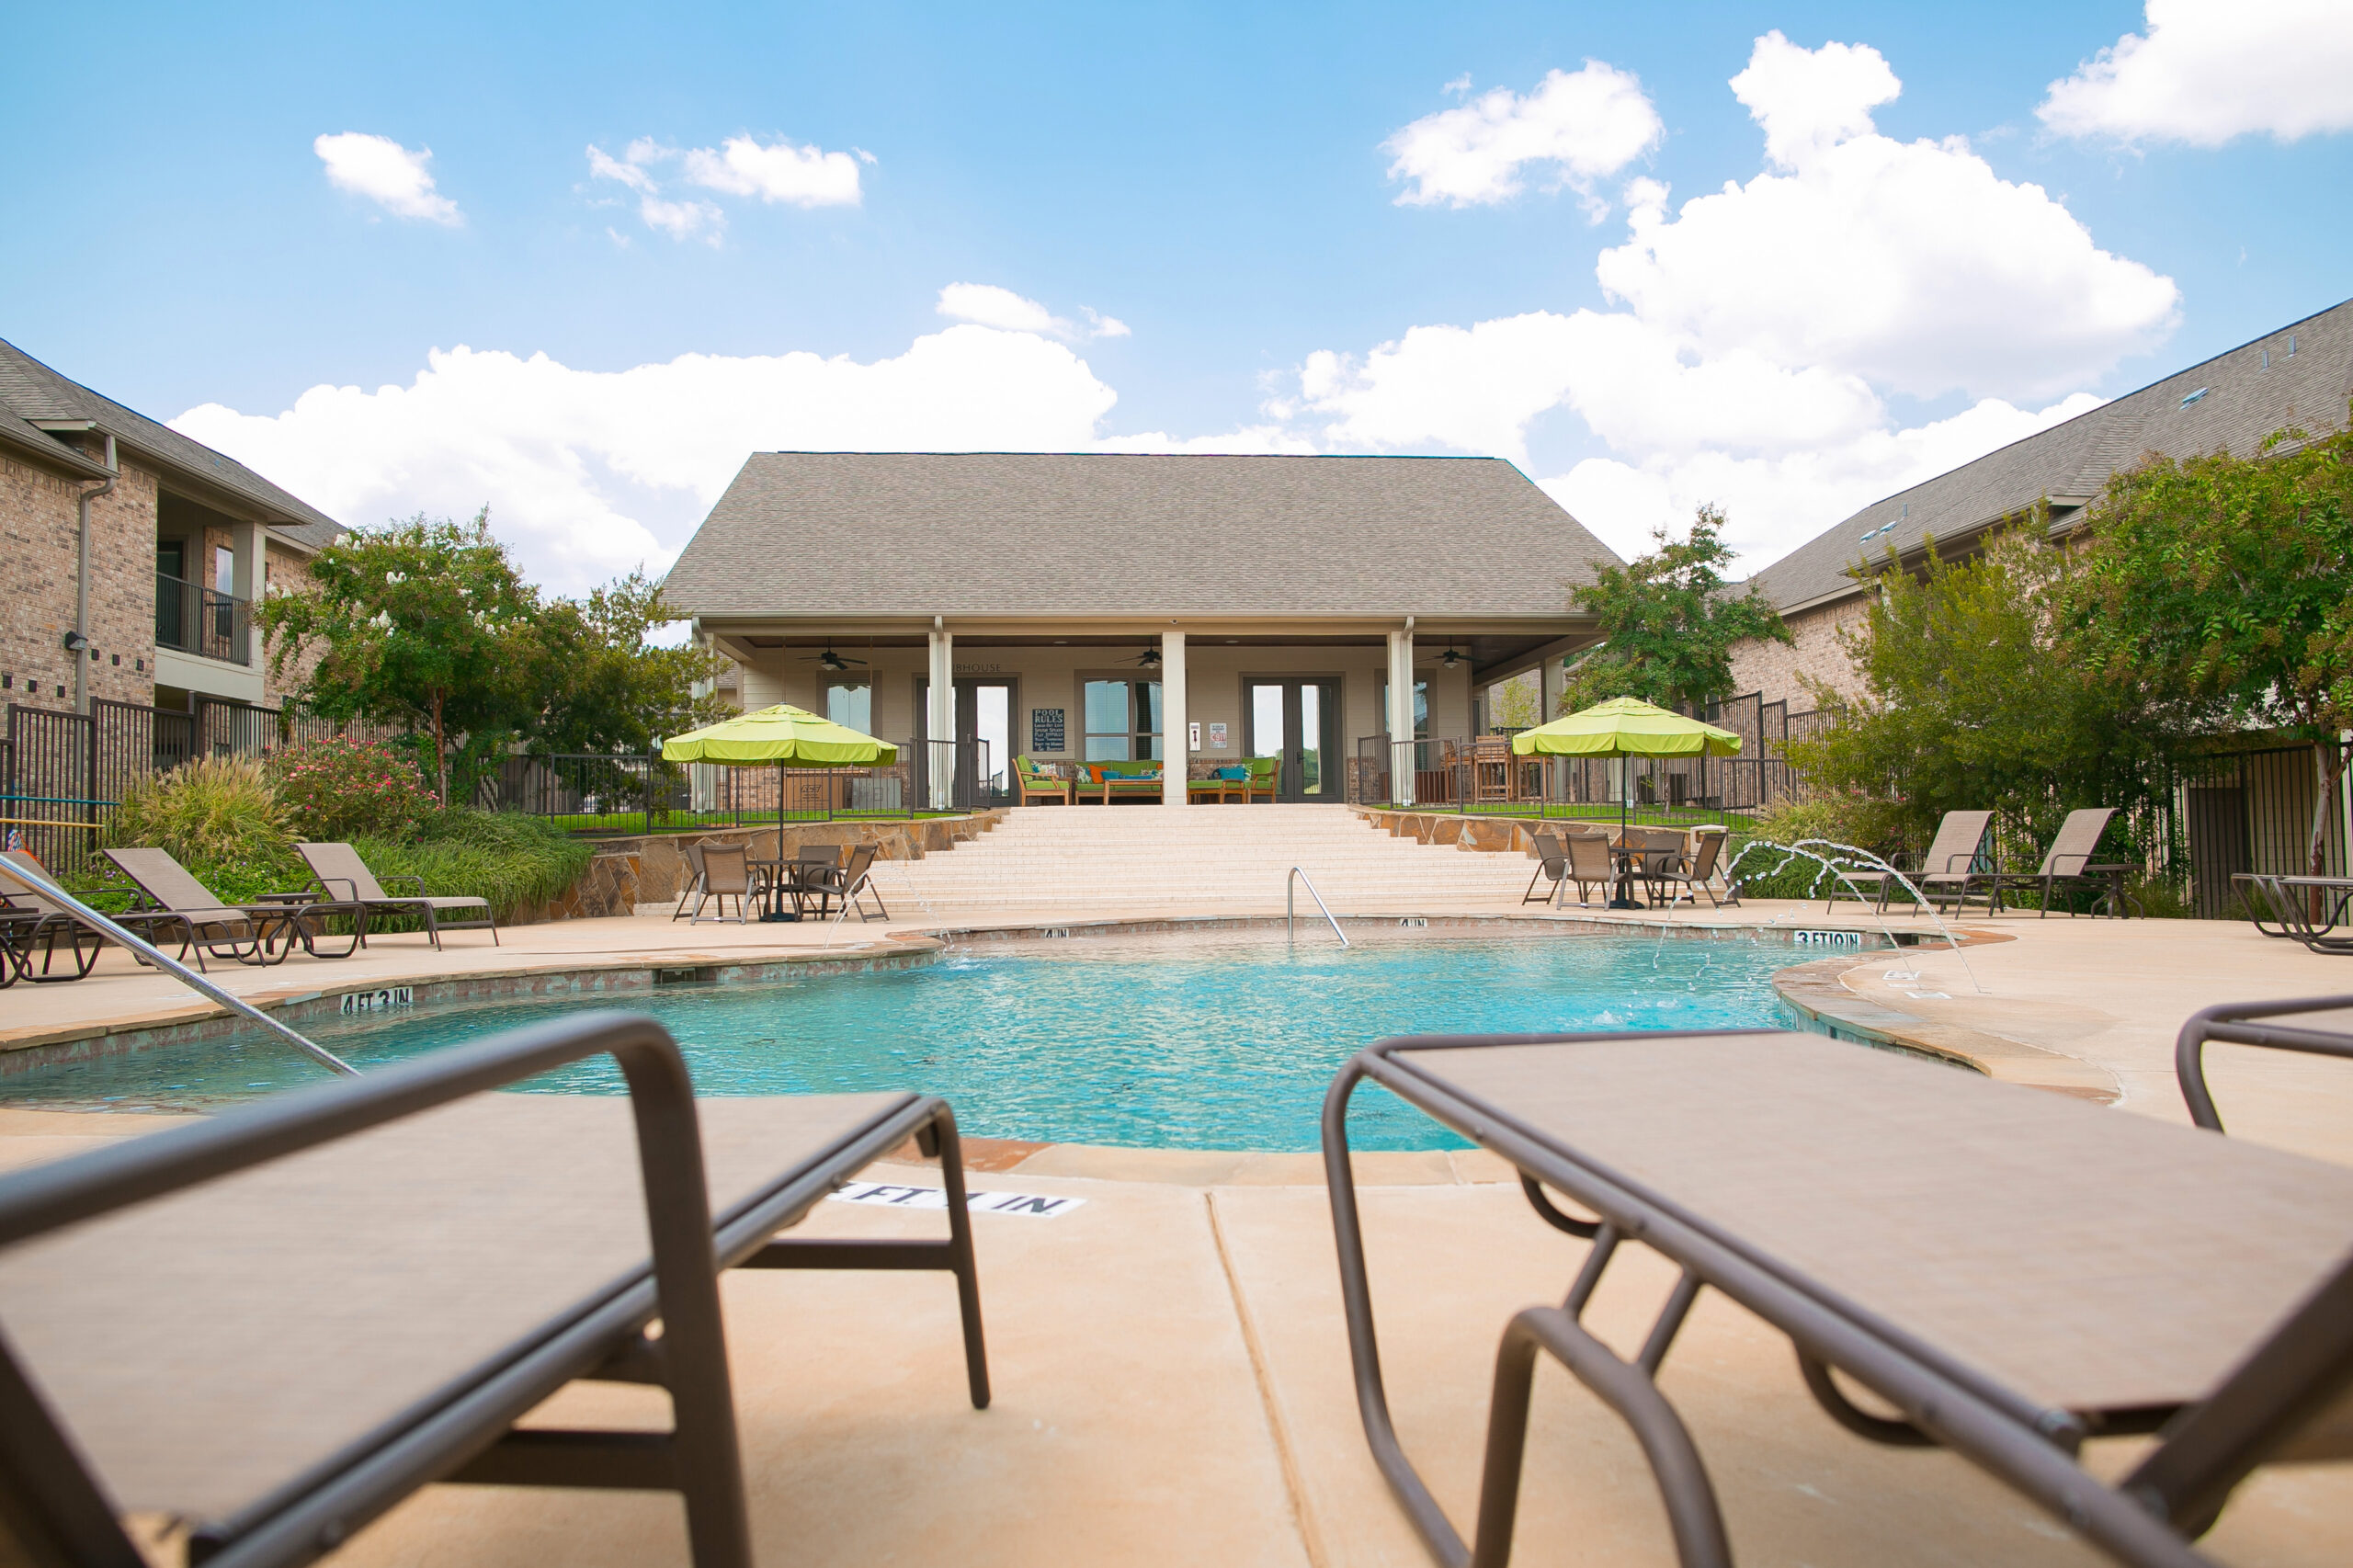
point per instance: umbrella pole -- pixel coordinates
(1624, 891)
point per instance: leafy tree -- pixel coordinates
(1668, 624)
(612, 690)
(2230, 579)
(424, 624)
(1970, 700)
(1517, 702)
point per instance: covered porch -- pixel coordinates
(1334, 701)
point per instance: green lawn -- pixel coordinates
(618, 822)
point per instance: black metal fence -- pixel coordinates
(61, 773)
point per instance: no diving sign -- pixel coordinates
(893, 1196)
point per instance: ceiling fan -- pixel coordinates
(1452, 660)
(831, 661)
(1149, 659)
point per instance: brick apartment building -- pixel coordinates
(155, 607)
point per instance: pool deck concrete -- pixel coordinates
(1171, 1369)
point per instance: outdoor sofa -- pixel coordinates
(343, 875)
(2159, 1280)
(1138, 780)
(1242, 781)
(274, 1325)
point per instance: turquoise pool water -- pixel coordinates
(1217, 1041)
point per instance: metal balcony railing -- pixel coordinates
(201, 620)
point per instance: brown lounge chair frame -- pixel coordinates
(2288, 903)
(364, 888)
(249, 932)
(60, 1515)
(2301, 1368)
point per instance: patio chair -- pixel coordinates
(1034, 781)
(811, 869)
(1552, 865)
(1263, 776)
(692, 855)
(1658, 854)
(1690, 871)
(2059, 1304)
(248, 933)
(272, 1325)
(339, 866)
(726, 874)
(850, 882)
(2068, 862)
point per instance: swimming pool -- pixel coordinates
(1222, 1039)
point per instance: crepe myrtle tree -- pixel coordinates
(1668, 623)
(2230, 579)
(424, 624)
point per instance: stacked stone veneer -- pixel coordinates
(629, 871)
(1780, 672)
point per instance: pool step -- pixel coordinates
(1131, 860)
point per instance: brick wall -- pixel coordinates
(38, 528)
(1774, 671)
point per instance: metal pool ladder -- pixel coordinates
(1291, 884)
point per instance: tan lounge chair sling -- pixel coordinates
(1817, 1183)
(263, 1353)
(207, 922)
(344, 874)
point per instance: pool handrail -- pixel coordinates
(1291, 895)
(48, 888)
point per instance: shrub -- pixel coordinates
(509, 858)
(340, 788)
(219, 817)
(1767, 871)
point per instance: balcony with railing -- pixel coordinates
(205, 621)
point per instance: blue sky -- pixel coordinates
(1223, 182)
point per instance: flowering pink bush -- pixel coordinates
(342, 788)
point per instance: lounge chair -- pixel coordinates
(274, 1325)
(2302, 909)
(2159, 1280)
(253, 933)
(339, 867)
(1958, 863)
(2068, 862)
(30, 920)
(1034, 780)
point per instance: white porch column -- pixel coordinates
(1547, 690)
(1175, 736)
(1401, 714)
(939, 723)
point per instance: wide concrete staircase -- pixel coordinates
(1127, 861)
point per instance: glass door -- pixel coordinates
(1298, 722)
(984, 731)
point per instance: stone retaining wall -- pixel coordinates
(1491, 834)
(652, 869)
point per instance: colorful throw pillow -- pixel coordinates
(1233, 774)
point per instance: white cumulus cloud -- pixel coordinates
(1764, 327)
(2207, 71)
(1585, 125)
(985, 304)
(391, 176)
(588, 473)
(802, 176)
(681, 220)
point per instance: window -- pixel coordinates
(225, 569)
(1421, 709)
(851, 703)
(1122, 720)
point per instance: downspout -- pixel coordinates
(82, 585)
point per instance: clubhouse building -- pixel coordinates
(1075, 608)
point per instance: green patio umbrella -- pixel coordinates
(786, 735)
(1625, 726)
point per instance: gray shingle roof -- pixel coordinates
(2245, 399)
(34, 392)
(855, 534)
